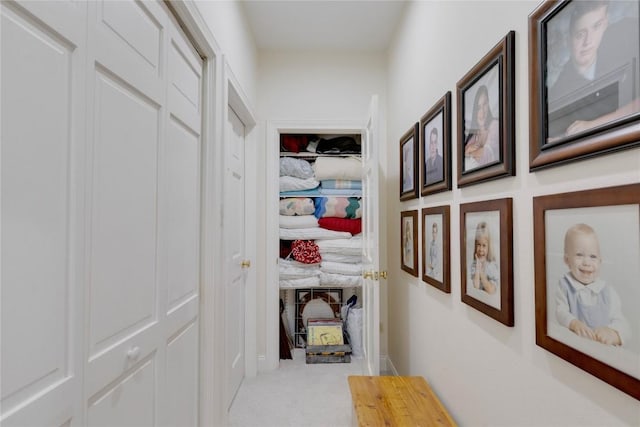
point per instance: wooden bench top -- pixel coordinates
(396, 401)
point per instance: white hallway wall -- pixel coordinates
(299, 86)
(486, 373)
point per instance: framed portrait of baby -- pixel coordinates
(584, 81)
(409, 242)
(486, 116)
(486, 257)
(436, 269)
(435, 147)
(408, 164)
(587, 265)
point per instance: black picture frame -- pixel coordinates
(486, 228)
(609, 220)
(487, 151)
(573, 117)
(435, 147)
(409, 163)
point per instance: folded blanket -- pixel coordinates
(328, 279)
(287, 272)
(307, 282)
(341, 184)
(316, 233)
(353, 226)
(298, 168)
(301, 221)
(291, 183)
(297, 206)
(293, 263)
(351, 246)
(341, 268)
(334, 257)
(349, 168)
(338, 207)
(339, 192)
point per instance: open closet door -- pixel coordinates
(371, 289)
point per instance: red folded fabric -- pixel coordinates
(353, 226)
(305, 251)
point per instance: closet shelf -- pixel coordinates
(320, 193)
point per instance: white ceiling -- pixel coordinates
(359, 25)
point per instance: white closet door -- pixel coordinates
(142, 303)
(233, 244)
(182, 224)
(370, 234)
(43, 48)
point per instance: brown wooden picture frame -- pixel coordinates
(611, 218)
(489, 223)
(571, 117)
(409, 163)
(409, 242)
(436, 268)
(487, 151)
(435, 125)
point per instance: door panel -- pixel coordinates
(370, 218)
(41, 105)
(123, 232)
(129, 42)
(234, 252)
(129, 401)
(182, 374)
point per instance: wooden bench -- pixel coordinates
(396, 401)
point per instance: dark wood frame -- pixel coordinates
(613, 196)
(501, 55)
(414, 218)
(410, 136)
(442, 106)
(505, 209)
(615, 135)
(444, 211)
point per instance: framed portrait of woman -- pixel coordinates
(586, 258)
(486, 116)
(408, 164)
(486, 257)
(435, 147)
(584, 81)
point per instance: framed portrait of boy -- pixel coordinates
(486, 257)
(584, 81)
(587, 265)
(408, 164)
(435, 147)
(436, 269)
(409, 242)
(486, 116)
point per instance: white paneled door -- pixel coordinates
(234, 250)
(370, 234)
(43, 52)
(101, 198)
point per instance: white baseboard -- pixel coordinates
(386, 366)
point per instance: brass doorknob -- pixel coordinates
(383, 274)
(367, 275)
(245, 264)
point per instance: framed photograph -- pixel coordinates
(409, 241)
(435, 247)
(435, 147)
(584, 80)
(408, 163)
(486, 255)
(486, 116)
(587, 265)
